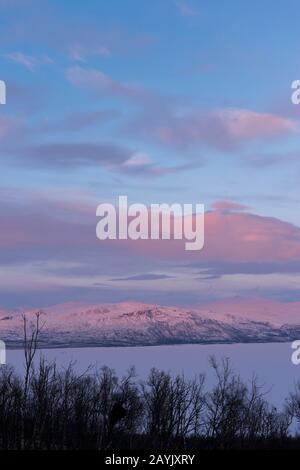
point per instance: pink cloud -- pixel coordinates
(245, 237)
(162, 119)
(224, 129)
(232, 237)
(99, 82)
(228, 206)
(27, 61)
(247, 124)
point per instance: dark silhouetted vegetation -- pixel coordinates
(51, 408)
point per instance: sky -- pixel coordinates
(166, 102)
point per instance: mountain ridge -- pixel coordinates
(133, 323)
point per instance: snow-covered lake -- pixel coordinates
(270, 362)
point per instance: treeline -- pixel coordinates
(52, 408)
(59, 409)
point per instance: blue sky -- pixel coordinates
(165, 101)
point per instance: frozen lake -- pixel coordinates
(270, 362)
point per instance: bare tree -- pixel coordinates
(31, 334)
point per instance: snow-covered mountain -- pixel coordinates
(132, 323)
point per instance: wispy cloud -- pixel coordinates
(74, 155)
(71, 156)
(224, 129)
(185, 9)
(29, 62)
(144, 277)
(228, 206)
(183, 127)
(81, 120)
(81, 53)
(99, 82)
